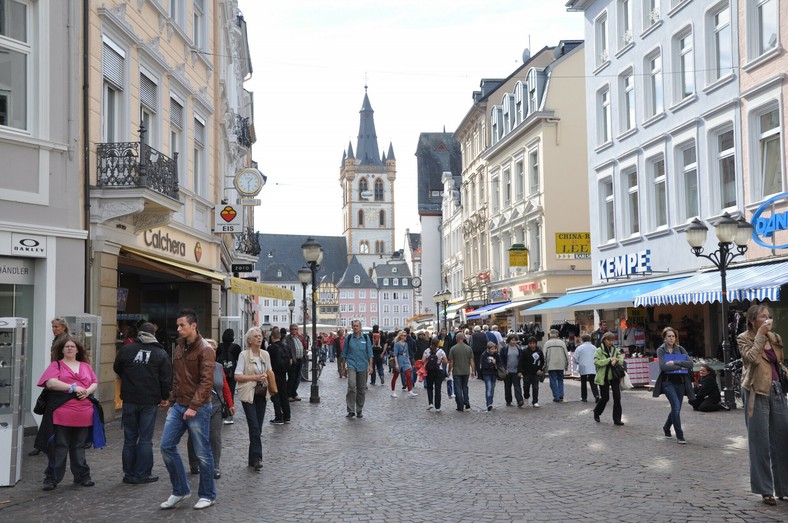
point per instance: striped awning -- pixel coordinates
(756, 282)
(477, 313)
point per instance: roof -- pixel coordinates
(386, 270)
(354, 268)
(436, 153)
(282, 252)
(367, 146)
(414, 241)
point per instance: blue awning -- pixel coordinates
(756, 282)
(568, 300)
(477, 313)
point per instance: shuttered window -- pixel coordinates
(148, 92)
(199, 132)
(176, 113)
(113, 66)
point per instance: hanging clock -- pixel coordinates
(249, 182)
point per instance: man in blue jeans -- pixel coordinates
(461, 366)
(190, 409)
(144, 369)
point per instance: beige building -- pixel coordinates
(169, 124)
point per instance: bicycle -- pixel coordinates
(735, 368)
(322, 357)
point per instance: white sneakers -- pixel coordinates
(412, 394)
(393, 394)
(173, 500)
(437, 410)
(536, 405)
(228, 421)
(429, 407)
(204, 503)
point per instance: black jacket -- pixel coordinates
(145, 372)
(489, 362)
(227, 354)
(531, 361)
(281, 358)
(707, 388)
(479, 342)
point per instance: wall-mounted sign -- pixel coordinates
(501, 294)
(16, 271)
(572, 245)
(227, 219)
(250, 201)
(28, 246)
(624, 265)
(766, 226)
(529, 287)
(163, 242)
(242, 267)
(518, 255)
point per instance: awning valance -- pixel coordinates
(511, 305)
(477, 313)
(756, 282)
(140, 254)
(253, 288)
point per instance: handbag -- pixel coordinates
(41, 402)
(618, 372)
(260, 389)
(501, 372)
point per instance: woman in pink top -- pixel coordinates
(69, 380)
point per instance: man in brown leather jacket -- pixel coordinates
(190, 409)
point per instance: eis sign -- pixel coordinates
(766, 226)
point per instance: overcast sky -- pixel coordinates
(421, 59)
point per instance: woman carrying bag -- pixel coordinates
(609, 362)
(674, 380)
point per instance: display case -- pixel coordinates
(87, 327)
(13, 341)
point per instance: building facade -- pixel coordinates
(395, 294)
(358, 296)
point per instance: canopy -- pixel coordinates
(477, 313)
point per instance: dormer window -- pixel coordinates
(356, 279)
(395, 282)
(385, 282)
(394, 270)
(279, 274)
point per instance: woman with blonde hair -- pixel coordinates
(254, 389)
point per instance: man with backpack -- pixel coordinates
(461, 366)
(510, 360)
(281, 361)
(357, 352)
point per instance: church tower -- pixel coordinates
(367, 181)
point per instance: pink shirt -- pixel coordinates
(73, 413)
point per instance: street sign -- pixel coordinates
(250, 201)
(242, 267)
(227, 219)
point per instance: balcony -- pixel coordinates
(136, 184)
(242, 131)
(247, 242)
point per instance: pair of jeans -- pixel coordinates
(588, 379)
(377, 368)
(489, 387)
(512, 380)
(139, 422)
(331, 353)
(461, 391)
(294, 378)
(408, 380)
(281, 404)
(434, 380)
(531, 387)
(199, 428)
(215, 438)
(767, 431)
(255, 413)
(69, 443)
(675, 394)
(557, 384)
(604, 397)
(356, 390)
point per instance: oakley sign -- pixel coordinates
(766, 226)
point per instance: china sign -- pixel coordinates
(572, 245)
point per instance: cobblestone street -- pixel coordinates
(403, 463)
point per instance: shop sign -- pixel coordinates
(16, 271)
(500, 294)
(227, 219)
(766, 226)
(624, 265)
(529, 287)
(28, 245)
(162, 242)
(572, 245)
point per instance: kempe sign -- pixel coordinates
(766, 222)
(624, 265)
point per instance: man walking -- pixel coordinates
(478, 345)
(297, 345)
(556, 362)
(144, 369)
(281, 361)
(190, 409)
(584, 357)
(358, 355)
(461, 366)
(531, 370)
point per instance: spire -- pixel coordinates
(350, 151)
(344, 157)
(383, 158)
(390, 155)
(367, 148)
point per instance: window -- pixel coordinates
(373, 294)
(625, 21)
(686, 71)
(148, 108)
(356, 279)
(507, 188)
(689, 180)
(395, 283)
(266, 303)
(608, 211)
(535, 245)
(495, 124)
(519, 179)
(362, 293)
(386, 310)
(382, 218)
(200, 179)
(198, 20)
(404, 283)
(380, 247)
(632, 225)
(15, 64)
(519, 107)
(351, 307)
(650, 13)
(361, 217)
(605, 119)
(351, 294)
(378, 190)
(363, 247)
(405, 296)
(769, 150)
(176, 135)
(654, 85)
(395, 308)
(362, 307)
(176, 11)
(600, 35)
(533, 172)
(627, 101)
(659, 196)
(363, 187)
(385, 284)
(726, 169)
(386, 321)
(765, 31)
(721, 52)
(405, 308)
(494, 196)
(113, 68)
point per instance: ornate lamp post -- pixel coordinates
(313, 254)
(729, 232)
(304, 275)
(291, 308)
(442, 298)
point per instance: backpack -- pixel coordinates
(433, 364)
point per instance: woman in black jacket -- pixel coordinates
(707, 392)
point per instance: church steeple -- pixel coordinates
(367, 147)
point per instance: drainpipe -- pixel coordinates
(86, 143)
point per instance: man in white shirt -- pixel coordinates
(584, 358)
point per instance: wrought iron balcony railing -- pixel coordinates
(242, 131)
(138, 165)
(247, 242)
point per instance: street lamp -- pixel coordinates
(729, 232)
(442, 297)
(313, 254)
(304, 275)
(291, 308)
